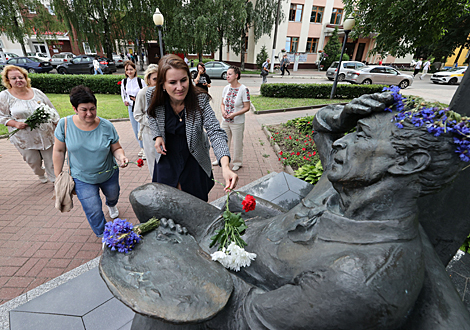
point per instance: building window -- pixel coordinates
(292, 43)
(312, 45)
(295, 13)
(317, 14)
(336, 16)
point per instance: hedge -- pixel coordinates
(62, 84)
(318, 91)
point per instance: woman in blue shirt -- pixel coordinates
(93, 145)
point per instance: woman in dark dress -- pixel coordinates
(182, 123)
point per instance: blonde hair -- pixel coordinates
(8, 68)
(152, 68)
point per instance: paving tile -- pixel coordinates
(110, 316)
(29, 321)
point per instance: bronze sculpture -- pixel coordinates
(349, 256)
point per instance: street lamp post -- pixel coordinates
(158, 20)
(347, 27)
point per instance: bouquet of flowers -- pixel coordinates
(43, 114)
(231, 253)
(121, 235)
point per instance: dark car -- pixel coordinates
(31, 64)
(83, 64)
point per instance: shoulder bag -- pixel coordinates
(64, 186)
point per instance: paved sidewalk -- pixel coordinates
(38, 243)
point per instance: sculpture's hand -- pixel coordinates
(169, 223)
(368, 104)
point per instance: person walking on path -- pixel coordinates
(182, 123)
(94, 167)
(265, 70)
(235, 103)
(140, 115)
(130, 86)
(19, 102)
(426, 66)
(418, 66)
(96, 66)
(285, 64)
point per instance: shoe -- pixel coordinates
(141, 152)
(143, 157)
(420, 78)
(215, 163)
(113, 212)
(235, 168)
(42, 178)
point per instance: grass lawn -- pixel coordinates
(269, 103)
(109, 107)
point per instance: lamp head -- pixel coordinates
(158, 18)
(349, 23)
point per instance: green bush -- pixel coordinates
(317, 91)
(310, 173)
(303, 124)
(62, 84)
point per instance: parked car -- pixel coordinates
(347, 66)
(83, 64)
(31, 64)
(41, 56)
(452, 76)
(214, 69)
(379, 75)
(58, 59)
(10, 56)
(119, 61)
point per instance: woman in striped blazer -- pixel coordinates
(182, 123)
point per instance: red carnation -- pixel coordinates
(249, 203)
(140, 162)
(119, 82)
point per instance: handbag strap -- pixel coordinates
(65, 136)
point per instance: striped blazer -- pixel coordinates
(196, 123)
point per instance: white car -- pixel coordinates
(41, 56)
(58, 59)
(119, 60)
(452, 76)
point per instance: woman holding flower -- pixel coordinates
(93, 145)
(140, 115)
(19, 102)
(179, 117)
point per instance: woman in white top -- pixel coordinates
(235, 102)
(130, 86)
(140, 115)
(19, 102)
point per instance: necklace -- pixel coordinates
(179, 114)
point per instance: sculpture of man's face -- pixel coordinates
(364, 157)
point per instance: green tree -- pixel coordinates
(97, 22)
(261, 57)
(18, 24)
(332, 49)
(261, 18)
(403, 26)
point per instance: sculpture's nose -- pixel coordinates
(340, 143)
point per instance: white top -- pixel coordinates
(132, 88)
(140, 111)
(12, 108)
(233, 99)
(96, 64)
(418, 64)
(426, 65)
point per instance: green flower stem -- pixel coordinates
(147, 226)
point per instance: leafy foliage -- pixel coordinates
(317, 91)
(303, 124)
(62, 84)
(310, 173)
(261, 57)
(332, 49)
(402, 26)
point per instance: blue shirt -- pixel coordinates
(89, 151)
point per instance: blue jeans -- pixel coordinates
(89, 196)
(98, 70)
(135, 125)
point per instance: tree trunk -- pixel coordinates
(243, 50)
(221, 45)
